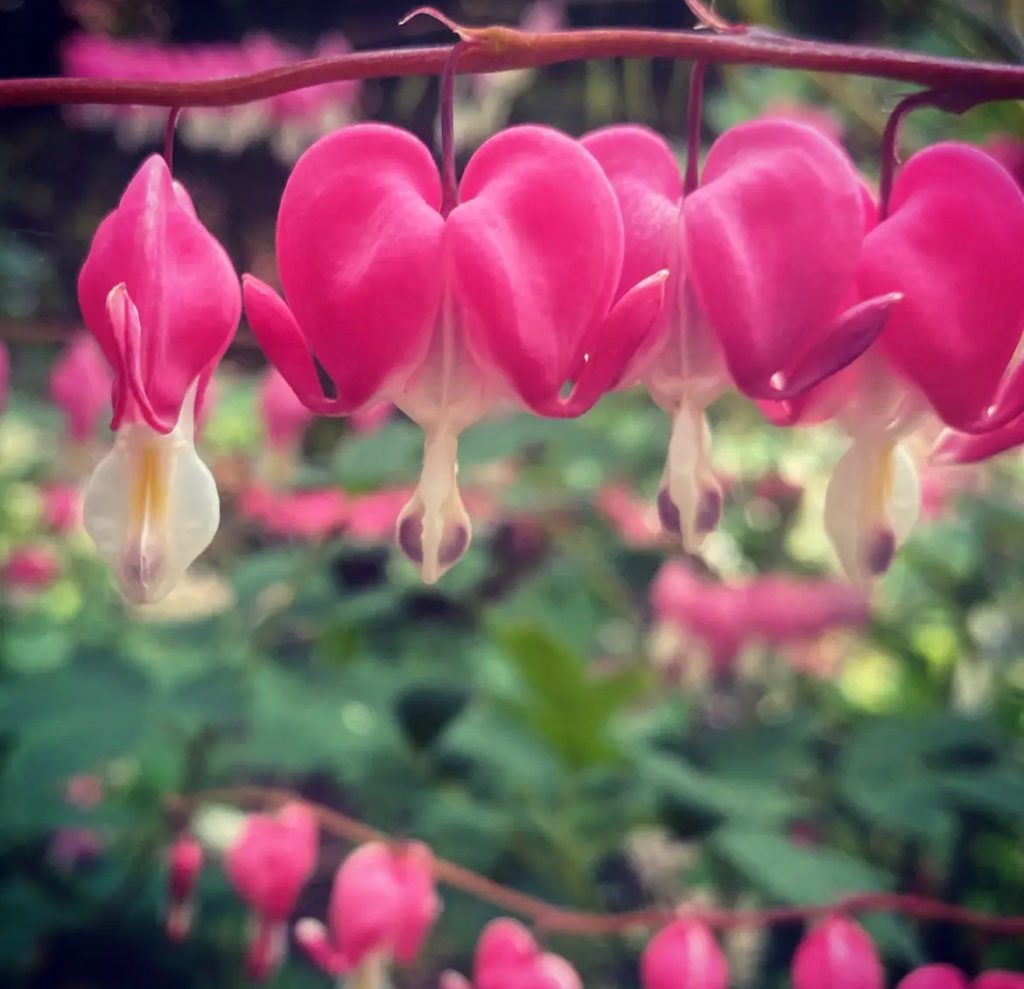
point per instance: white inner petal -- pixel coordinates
(151, 507)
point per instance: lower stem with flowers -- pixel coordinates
(551, 918)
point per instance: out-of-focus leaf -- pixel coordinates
(998, 792)
(390, 455)
(789, 873)
(463, 829)
(567, 705)
(424, 712)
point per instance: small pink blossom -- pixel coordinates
(508, 957)
(285, 418)
(837, 954)
(684, 954)
(382, 907)
(184, 863)
(30, 568)
(948, 977)
(633, 518)
(62, 508)
(80, 386)
(999, 980)
(268, 865)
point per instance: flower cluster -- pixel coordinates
(556, 271)
(291, 120)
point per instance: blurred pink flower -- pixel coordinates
(62, 508)
(285, 418)
(292, 119)
(31, 568)
(382, 907)
(684, 954)
(635, 519)
(837, 954)
(508, 957)
(307, 514)
(184, 863)
(84, 791)
(80, 386)
(999, 980)
(70, 848)
(775, 610)
(268, 865)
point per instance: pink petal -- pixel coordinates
(964, 448)
(535, 248)
(644, 175)
(837, 954)
(359, 241)
(179, 278)
(934, 977)
(952, 246)
(684, 954)
(773, 237)
(999, 980)
(420, 904)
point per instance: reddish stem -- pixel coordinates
(449, 182)
(498, 49)
(172, 123)
(890, 145)
(565, 921)
(694, 113)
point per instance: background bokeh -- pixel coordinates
(534, 716)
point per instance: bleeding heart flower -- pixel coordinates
(684, 954)
(310, 514)
(508, 296)
(383, 905)
(950, 246)
(837, 954)
(999, 980)
(80, 386)
(507, 957)
(184, 863)
(30, 569)
(269, 864)
(161, 298)
(934, 977)
(763, 258)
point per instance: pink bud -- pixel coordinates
(80, 385)
(383, 902)
(507, 957)
(62, 508)
(684, 955)
(999, 980)
(268, 865)
(934, 977)
(837, 954)
(184, 863)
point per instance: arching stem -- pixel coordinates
(694, 112)
(172, 123)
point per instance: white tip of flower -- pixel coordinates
(151, 507)
(434, 530)
(690, 499)
(871, 505)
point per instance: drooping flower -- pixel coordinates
(184, 863)
(837, 954)
(763, 258)
(268, 865)
(948, 977)
(684, 955)
(161, 298)
(80, 387)
(508, 957)
(508, 296)
(383, 905)
(950, 246)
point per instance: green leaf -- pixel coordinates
(794, 874)
(391, 455)
(997, 792)
(564, 702)
(687, 793)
